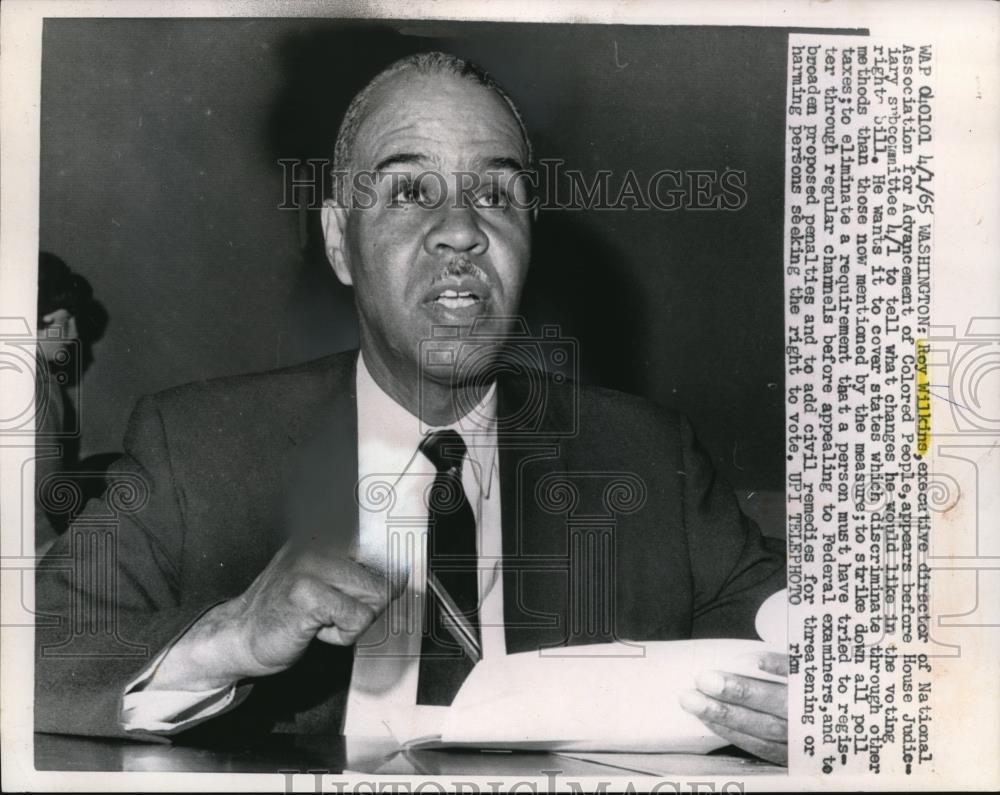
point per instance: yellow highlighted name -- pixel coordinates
(923, 398)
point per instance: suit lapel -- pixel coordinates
(323, 464)
(535, 539)
(322, 511)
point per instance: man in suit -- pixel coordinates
(330, 547)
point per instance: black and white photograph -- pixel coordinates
(454, 397)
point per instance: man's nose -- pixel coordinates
(456, 230)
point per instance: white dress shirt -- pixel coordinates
(393, 476)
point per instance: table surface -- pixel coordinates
(337, 754)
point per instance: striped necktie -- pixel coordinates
(451, 643)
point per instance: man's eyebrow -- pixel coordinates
(401, 159)
(500, 164)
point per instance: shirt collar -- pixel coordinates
(389, 435)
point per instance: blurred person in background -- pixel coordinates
(69, 322)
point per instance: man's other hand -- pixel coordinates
(301, 595)
(752, 714)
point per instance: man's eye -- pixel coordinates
(492, 199)
(410, 192)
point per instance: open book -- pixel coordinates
(606, 697)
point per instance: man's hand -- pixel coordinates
(301, 595)
(750, 713)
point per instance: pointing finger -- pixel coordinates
(773, 663)
(735, 717)
(755, 694)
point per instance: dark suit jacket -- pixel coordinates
(614, 527)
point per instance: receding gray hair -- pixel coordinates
(426, 63)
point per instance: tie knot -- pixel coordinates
(445, 449)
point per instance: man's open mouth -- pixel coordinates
(465, 294)
(456, 299)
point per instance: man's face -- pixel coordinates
(432, 252)
(59, 330)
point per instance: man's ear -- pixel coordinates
(334, 221)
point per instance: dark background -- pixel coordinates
(160, 184)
